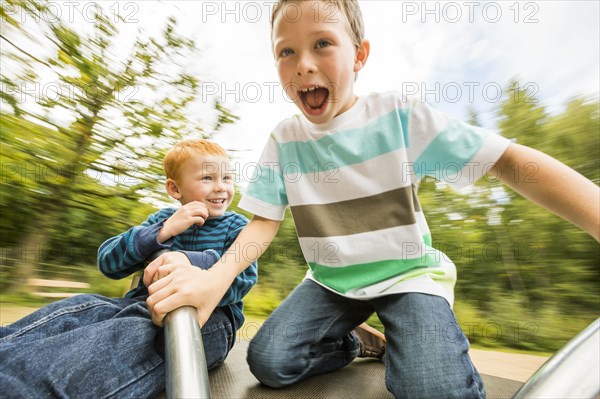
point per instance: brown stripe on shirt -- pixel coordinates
(385, 210)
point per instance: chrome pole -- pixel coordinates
(187, 372)
(573, 371)
(185, 361)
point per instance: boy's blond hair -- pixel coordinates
(187, 149)
(349, 8)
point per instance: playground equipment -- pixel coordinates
(573, 371)
(187, 372)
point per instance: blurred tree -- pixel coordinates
(521, 116)
(573, 137)
(100, 133)
(549, 273)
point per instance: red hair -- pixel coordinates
(187, 149)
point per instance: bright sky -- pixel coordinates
(455, 55)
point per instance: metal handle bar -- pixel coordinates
(187, 371)
(573, 371)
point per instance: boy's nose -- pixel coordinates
(305, 65)
(219, 185)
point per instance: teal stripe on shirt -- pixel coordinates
(450, 151)
(267, 185)
(347, 147)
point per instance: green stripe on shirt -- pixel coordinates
(344, 279)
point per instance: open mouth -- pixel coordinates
(314, 99)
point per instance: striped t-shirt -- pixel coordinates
(351, 186)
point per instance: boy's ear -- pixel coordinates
(362, 55)
(172, 189)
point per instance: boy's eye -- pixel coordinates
(286, 52)
(206, 178)
(227, 178)
(323, 44)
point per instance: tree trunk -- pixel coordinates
(24, 259)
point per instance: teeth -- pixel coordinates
(310, 89)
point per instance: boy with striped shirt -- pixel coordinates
(90, 346)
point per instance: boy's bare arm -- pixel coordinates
(251, 243)
(203, 289)
(551, 184)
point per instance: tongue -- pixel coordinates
(316, 98)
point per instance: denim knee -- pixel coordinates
(263, 364)
(272, 363)
(427, 353)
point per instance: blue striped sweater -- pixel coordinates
(122, 255)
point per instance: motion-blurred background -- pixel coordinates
(93, 93)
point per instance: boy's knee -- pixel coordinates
(270, 363)
(422, 387)
(262, 363)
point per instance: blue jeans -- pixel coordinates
(90, 346)
(310, 333)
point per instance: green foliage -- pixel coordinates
(74, 180)
(261, 301)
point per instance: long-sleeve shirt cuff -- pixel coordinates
(146, 240)
(204, 260)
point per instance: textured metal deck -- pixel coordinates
(362, 379)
